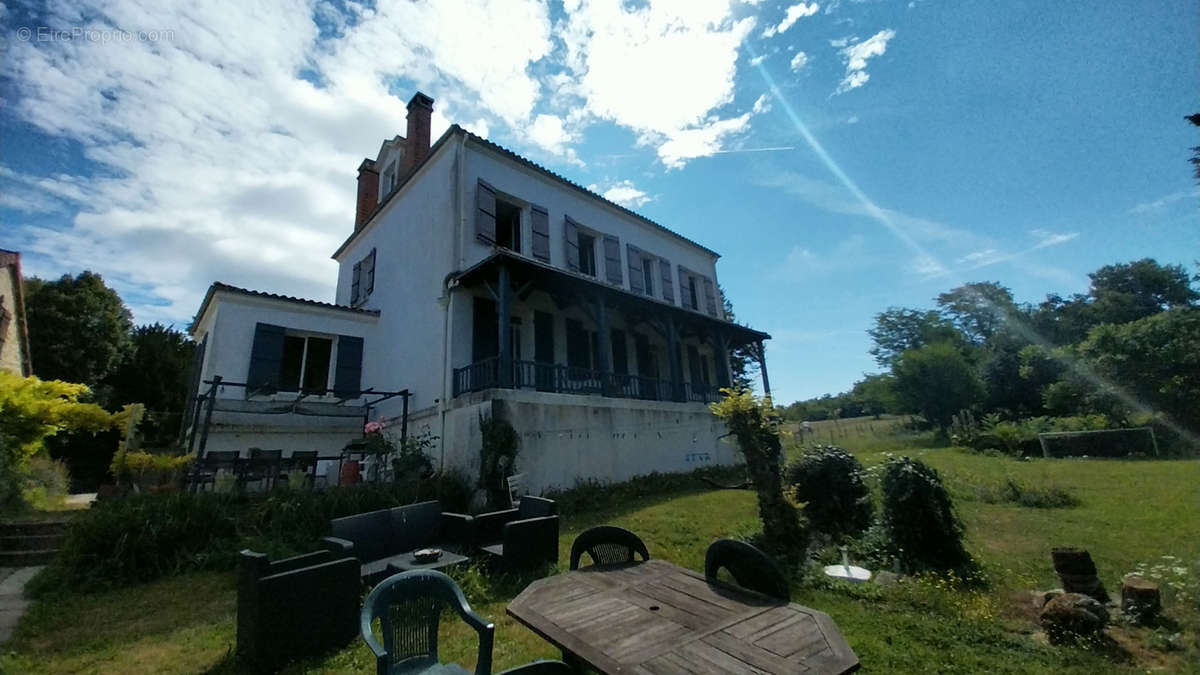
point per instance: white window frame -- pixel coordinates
(333, 350)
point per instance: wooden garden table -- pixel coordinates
(655, 617)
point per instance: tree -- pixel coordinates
(1062, 322)
(1195, 160)
(751, 420)
(978, 309)
(32, 410)
(78, 328)
(1157, 359)
(937, 381)
(899, 329)
(1127, 292)
(876, 393)
(743, 359)
(154, 369)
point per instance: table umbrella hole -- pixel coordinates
(653, 608)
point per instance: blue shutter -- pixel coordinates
(668, 285)
(540, 220)
(485, 212)
(347, 377)
(266, 356)
(612, 260)
(571, 243)
(355, 282)
(370, 281)
(634, 255)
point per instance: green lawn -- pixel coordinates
(1132, 512)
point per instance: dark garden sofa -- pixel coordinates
(296, 607)
(390, 536)
(520, 538)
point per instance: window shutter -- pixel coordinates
(635, 269)
(710, 297)
(612, 260)
(685, 289)
(355, 278)
(347, 376)
(540, 218)
(266, 357)
(370, 275)
(668, 285)
(571, 241)
(485, 213)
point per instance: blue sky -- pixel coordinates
(842, 156)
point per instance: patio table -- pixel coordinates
(655, 617)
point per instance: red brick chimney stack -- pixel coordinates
(420, 112)
(368, 192)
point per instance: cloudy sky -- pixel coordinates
(843, 156)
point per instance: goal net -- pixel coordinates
(1099, 443)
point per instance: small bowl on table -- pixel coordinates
(426, 555)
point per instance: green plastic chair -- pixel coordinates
(607, 545)
(750, 567)
(409, 607)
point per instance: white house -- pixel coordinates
(480, 282)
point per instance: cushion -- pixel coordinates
(536, 507)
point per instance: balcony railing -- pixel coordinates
(552, 377)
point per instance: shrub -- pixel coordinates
(919, 518)
(46, 484)
(1014, 492)
(123, 541)
(497, 457)
(831, 483)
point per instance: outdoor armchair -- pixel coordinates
(390, 536)
(409, 607)
(296, 607)
(522, 537)
(607, 545)
(750, 567)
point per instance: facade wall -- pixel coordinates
(12, 359)
(567, 438)
(413, 241)
(525, 186)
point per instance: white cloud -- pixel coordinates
(1045, 238)
(1162, 202)
(702, 141)
(207, 142)
(842, 41)
(623, 193)
(547, 131)
(856, 57)
(628, 65)
(853, 119)
(758, 59)
(799, 61)
(794, 14)
(762, 105)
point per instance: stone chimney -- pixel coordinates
(368, 192)
(420, 112)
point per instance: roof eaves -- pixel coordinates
(238, 290)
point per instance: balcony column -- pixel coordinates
(504, 309)
(673, 360)
(762, 367)
(603, 346)
(722, 359)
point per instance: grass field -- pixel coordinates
(1131, 512)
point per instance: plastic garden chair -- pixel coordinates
(750, 567)
(607, 545)
(409, 607)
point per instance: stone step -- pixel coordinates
(16, 529)
(27, 558)
(28, 542)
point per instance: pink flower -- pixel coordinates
(373, 427)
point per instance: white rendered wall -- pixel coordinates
(413, 241)
(566, 438)
(527, 186)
